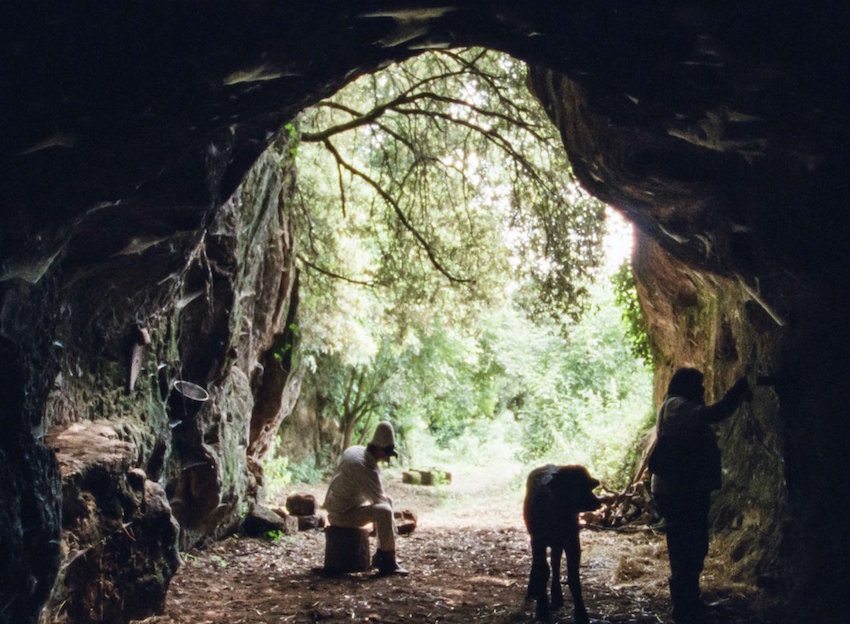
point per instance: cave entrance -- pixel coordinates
(482, 369)
(737, 207)
(453, 271)
(363, 203)
(480, 537)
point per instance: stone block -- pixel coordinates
(426, 477)
(301, 504)
(413, 477)
(405, 521)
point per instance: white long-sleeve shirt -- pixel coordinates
(356, 482)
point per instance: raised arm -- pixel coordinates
(736, 395)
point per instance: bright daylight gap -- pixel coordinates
(433, 204)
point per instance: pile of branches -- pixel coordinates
(631, 509)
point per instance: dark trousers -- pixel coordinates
(686, 517)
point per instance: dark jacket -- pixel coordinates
(686, 457)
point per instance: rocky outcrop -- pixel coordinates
(712, 323)
(781, 460)
(136, 458)
(239, 294)
(720, 130)
(119, 541)
(30, 487)
(732, 287)
(29, 525)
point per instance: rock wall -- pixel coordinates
(141, 468)
(732, 288)
(781, 452)
(30, 517)
(711, 323)
(30, 487)
(119, 536)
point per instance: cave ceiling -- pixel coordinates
(129, 121)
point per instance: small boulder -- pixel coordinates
(261, 521)
(301, 504)
(311, 522)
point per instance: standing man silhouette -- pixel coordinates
(685, 466)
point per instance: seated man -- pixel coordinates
(356, 495)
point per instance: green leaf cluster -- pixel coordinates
(625, 293)
(441, 182)
(588, 395)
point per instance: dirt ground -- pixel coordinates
(469, 560)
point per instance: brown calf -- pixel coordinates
(554, 497)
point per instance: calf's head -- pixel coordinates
(573, 488)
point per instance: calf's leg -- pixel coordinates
(538, 577)
(557, 594)
(573, 548)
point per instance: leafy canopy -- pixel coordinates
(441, 182)
(438, 227)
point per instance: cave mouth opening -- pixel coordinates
(435, 215)
(504, 388)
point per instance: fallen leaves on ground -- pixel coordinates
(464, 568)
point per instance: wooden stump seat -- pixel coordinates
(346, 550)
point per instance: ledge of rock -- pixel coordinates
(117, 527)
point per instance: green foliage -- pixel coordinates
(626, 467)
(276, 535)
(292, 134)
(626, 297)
(445, 381)
(308, 471)
(579, 399)
(355, 394)
(431, 181)
(276, 470)
(447, 255)
(279, 471)
(191, 558)
(283, 349)
(219, 560)
(583, 399)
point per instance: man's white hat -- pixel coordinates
(384, 437)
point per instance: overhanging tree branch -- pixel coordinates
(426, 246)
(328, 273)
(360, 119)
(495, 137)
(445, 147)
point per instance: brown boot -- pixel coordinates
(387, 565)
